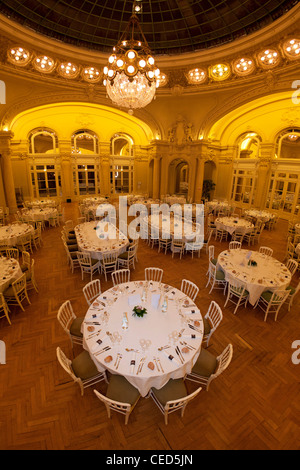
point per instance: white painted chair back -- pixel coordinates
(189, 288)
(266, 250)
(235, 245)
(92, 290)
(292, 266)
(111, 405)
(154, 274)
(120, 276)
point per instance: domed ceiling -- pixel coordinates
(170, 26)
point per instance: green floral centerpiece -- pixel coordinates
(139, 311)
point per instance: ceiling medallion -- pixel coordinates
(131, 76)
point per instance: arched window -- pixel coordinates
(122, 144)
(249, 145)
(42, 140)
(84, 142)
(122, 164)
(288, 144)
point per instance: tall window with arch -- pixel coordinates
(44, 167)
(249, 145)
(121, 164)
(284, 187)
(86, 168)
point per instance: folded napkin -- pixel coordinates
(132, 363)
(91, 317)
(193, 335)
(134, 300)
(155, 299)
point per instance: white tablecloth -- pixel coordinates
(264, 216)
(94, 200)
(233, 224)
(39, 214)
(88, 240)
(177, 228)
(10, 270)
(175, 200)
(42, 203)
(269, 274)
(216, 205)
(156, 329)
(11, 234)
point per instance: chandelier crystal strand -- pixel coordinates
(131, 77)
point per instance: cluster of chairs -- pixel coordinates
(17, 292)
(121, 396)
(269, 301)
(4, 215)
(109, 262)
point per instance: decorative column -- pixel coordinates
(155, 178)
(263, 175)
(199, 180)
(6, 168)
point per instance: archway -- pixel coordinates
(178, 182)
(209, 180)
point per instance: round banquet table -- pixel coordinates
(268, 274)
(39, 214)
(92, 208)
(11, 234)
(215, 205)
(42, 203)
(10, 271)
(178, 229)
(175, 200)
(105, 338)
(233, 224)
(94, 200)
(98, 237)
(264, 216)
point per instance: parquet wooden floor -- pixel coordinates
(253, 405)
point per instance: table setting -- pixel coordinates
(218, 206)
(258, 271)
(40, 203)
(11, 234)
(263, 216)
(97, 237)
(38, 214)
(146, 331)
(174, 227)
(10, 271)
(233, 224)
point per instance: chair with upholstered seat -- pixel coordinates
(109, 263)
(127, 259)
(208, 367)
(216, 277)
(235, 245)
(189, 288)
(238, 236)
(92, 290)
(36, 237)
(87, 264)
(292, 265)
(70, 322)
(25, 243)
(4, 308)
(221, 234)
(164, 244)
(12, 253)
(172, 397)
(17, 292)
(154, 274)
(26, 261)
(212, 320)
(237, 294)
(265, 250)
(177, 246)
(120, 396)
(81, 369)
(293, 291)
(30, 277)
(120, 276)
(271, 302)
(71, 252)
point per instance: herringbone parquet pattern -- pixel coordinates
(253, 405)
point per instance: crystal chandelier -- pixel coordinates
(131, 77)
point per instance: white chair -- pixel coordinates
(164, 244)
(109, 263)
(81, 369)
(235, 245)
(237, 294)
(120, 396)
(189, 289)
(81, 220)
(292, 266)
(238, 237)
(265, 250)
(154, 274)
(271, 302)
(120, 276)
(206, 241)
(12, 253)
(208, 367)
(88, 264)
(212, 320)
(216, 277)
(221, 235)
(17, 292)
(92, 290)
(30, 277)
(70, 322)
(127, 259)
(4, 308)
(292, 292)
(172, 397)
(177, 246)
